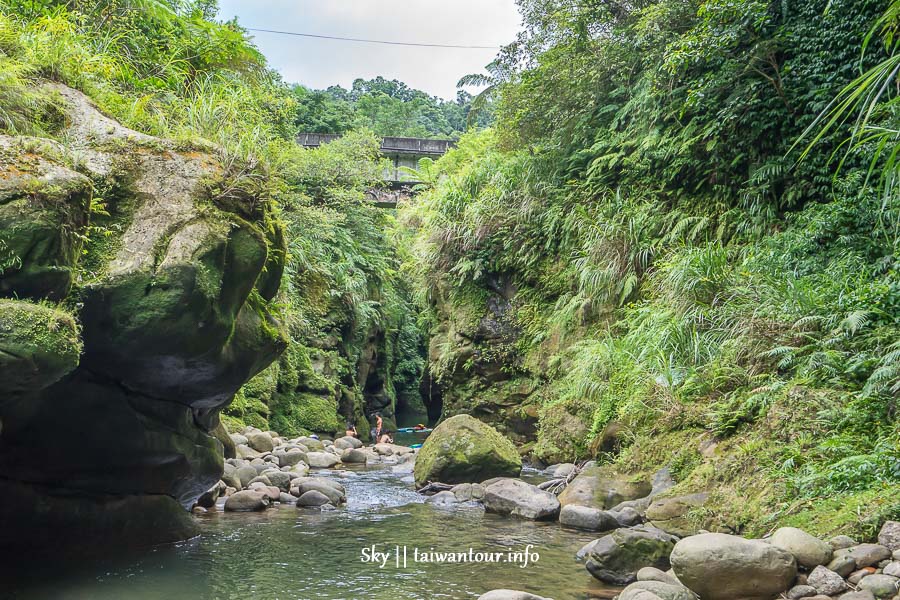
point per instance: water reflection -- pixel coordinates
(286, 553)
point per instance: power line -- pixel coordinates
(389, 43)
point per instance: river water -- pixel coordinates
(299, 554)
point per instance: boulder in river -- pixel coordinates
(509, 595)
(313, 498)
(616, 558)
(354, 456)
(343, 443)
(598, 487)
(247, 500)
(588, 518)
(321, 460)
(517, 498)
(717, 566)
(462, 449)
(655, 590)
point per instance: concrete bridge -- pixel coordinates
(401, 151)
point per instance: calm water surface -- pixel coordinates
(286, 553)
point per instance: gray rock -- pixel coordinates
(725, 567)
(654, 574)
(627, 516)
(517, 498)
(238, 439)
(342, 443)
(801, 591)
(286, 498)
(246, 474)
(246, 501)
(561, 470)
(230, 477)
(334, 495)
(468, 492)
(264, 479)
(322, 460)
(842, 541)
(895, 555)
(892, 569)
(859, 595)
(311, 444)
(443, 498)
(259, 441)
(616, 558)
(280, 479)
(588, 518)
(889, 536)
(655, 590)
(313, 498)
(509, 595)
(809, 551)
(292, 457)
(843, 565)
(353, 456)
(881, 586)
(826, 581)
(246, 452)
(867, 555)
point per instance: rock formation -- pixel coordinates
(107, 413)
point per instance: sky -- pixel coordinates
(318, 63)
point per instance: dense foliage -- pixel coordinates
(681, 280)
(389, 108)
(165, 67)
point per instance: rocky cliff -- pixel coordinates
(137, 275)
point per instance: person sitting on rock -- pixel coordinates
(387, 438)
(351, 430)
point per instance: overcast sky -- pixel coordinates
(320, 63)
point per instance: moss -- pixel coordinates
(293, 413)
(463, 449)
(38, 345)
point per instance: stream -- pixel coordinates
(286, 553)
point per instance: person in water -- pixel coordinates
(387, 438)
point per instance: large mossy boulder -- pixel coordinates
(174, 281)
(462, 449)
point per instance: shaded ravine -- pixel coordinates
(300, 554)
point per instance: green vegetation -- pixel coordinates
(167, 68)
(669, 274)
(389, 108)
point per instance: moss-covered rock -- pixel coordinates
(43, 215)
(174, 309)
(601, 487)
(463, 449)
(38, 346)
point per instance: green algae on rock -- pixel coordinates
(462, 449)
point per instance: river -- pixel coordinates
(286, 553)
